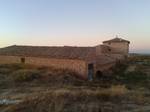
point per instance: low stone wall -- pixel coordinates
(78, 66)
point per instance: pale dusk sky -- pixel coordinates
(75, 22)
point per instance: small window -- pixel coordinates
(22, 60)
(109, 43)
(109, 49)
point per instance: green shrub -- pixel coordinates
(25, 75)
(135, 77)
(5, 71)
(119, 68)
(12, 66)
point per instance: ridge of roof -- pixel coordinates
(116, 40)
(48, 46)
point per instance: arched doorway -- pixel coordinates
(99, 74)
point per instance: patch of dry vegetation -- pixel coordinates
(15, 74)
(24, 75)
(21, 75)
(67, 93)
(64, 100)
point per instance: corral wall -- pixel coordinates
(78, 66)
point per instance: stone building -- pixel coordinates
(85, 61)
(118, 46)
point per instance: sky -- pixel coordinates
(75, 22)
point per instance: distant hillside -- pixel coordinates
(139, 54)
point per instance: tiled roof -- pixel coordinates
(116, 40)
(49, 52)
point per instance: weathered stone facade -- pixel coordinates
(118, 46)
(78, 66)
(85, 61)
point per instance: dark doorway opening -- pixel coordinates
(90, 71)
(99, 74)
(23, 60)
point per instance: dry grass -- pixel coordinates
(67, 93)
(65, 100)
(25, 75)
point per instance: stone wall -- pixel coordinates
(105, 67)
(119, 47)
(118, 57)
(78, 66)
(102, 49)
